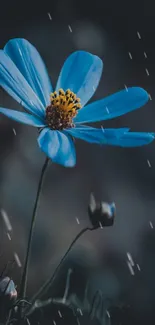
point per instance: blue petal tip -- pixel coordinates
(142, 92)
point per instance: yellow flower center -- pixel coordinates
(63, 108)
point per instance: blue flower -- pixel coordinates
(60, 116)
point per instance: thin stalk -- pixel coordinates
(51, 279)
(23, 285)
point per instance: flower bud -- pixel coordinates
(8, 295)
(101, 214)
(7, 288)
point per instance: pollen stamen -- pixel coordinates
(63, 108)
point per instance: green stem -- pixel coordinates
(23, 285)
(50, 280)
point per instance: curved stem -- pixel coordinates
(23, 285)
(50, 280)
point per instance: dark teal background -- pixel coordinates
(108, 29)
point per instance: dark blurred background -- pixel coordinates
(122, 33)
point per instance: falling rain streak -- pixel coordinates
(145, 55)
(130, 55)
(49, 15)
(6, 220)
(102, 129)
(14, 131)
(139, 36)
(107, 110)
(130, 268)
(126, 88)
(150, 97)
(80, 311)
(130, 259)
(108, 313)
(130, 263)
(151, 224)
(100, 225)
(138, 267)
(59, 312)
(9, 237)
(77, 220)
(147, 72)
(149, 163)
(70, 29)
(17, 260)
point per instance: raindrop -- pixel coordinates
(70, 29)
(59, 312)
(147, 72)
(145, 55)
(139, 36)
(6, 220)
(17, 260)
(107, 109)
(77, 220)
(108, 313)
(151, 224)
(79, 311)
(9, 237)
(92, 203)
(130, 55)
(102, 129)
(130, 259)
(14, 131)
(49, 15)
(100, 225)
(126, 88)
(150, 97)
(130, 268)
(149, 163)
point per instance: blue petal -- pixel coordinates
(116, 137)
(81, 73)
(15, 84)
(93, 135)
(58, 147)
(134, 139)
(30, 64)
(24, 118)
(112, 106)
